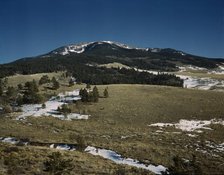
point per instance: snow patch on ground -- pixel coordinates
(111, 155)
(190, 125)
(201, 83)
(192, 135)
(52, 105)
(9, 140)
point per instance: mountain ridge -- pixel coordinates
(105, 52)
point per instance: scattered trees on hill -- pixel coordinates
(44, 79)
(88, 95)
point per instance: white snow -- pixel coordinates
(190, 125)
(10, 140)
(155, 50)
(201, 83)
(52, 105)
(190, 82)
(63, 147)
(81, 47)
(149, 71)
(195, 67)
(192, 135)
(111, 155)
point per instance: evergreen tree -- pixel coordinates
(88, 86)
(95, 94)
(31, 95)
(19, 100)
(44, 79)
(81, 92)
(20, 86)
(105, 93)
(85, 95)
(10, 91)
(71, 82)
(31, 86)
(56, 84)
(35, 87)
(64, 109)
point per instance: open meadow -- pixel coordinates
(121, 123)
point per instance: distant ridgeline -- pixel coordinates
(82, 61)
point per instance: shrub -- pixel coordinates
(57, 165)
(7, 109)
(64, 109)
(81, 145)
(43, 106)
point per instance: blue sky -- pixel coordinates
(33, 27)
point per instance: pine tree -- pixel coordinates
(105, 93)
(85, 95)
(81, 92)
(44, 79)
(56, 84)
(10, 91)
(88, 86)
(71, 82)
(95, 94)
(31, 95)
(20, 86)
(35, 87)
(19, 100)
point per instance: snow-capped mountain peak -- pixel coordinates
(89, 46)
(81, 47)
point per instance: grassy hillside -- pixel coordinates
(121, 121)
(19, 78)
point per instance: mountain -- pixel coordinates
(88, 57)
(151, 56)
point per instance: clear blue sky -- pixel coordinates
(33, 27)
